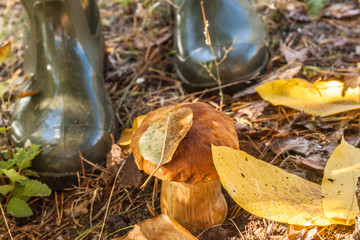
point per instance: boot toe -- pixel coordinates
(242, 62)
(232, 23)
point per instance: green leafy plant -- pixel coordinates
(314, 7)
(16, 184)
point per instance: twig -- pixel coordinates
(93, 164)
(108, 204)
(217, 63)
(237, 228)
(5, 220)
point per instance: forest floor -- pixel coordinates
(140, 77)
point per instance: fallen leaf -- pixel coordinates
(160, 141)
(138, 120)
(27, 94)
(128, 133)
(131, 175)
(339, 184)
(162, 227)
(114, 159)
(5, 51)
(341, 10)
(292, 54)
(126, 137)
(311, 153)
(251, 111)
(322, 98)
(268, 191)
(77, 210)
(351, 82)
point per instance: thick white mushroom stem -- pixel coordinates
(194, 206)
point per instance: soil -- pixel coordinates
(140, 77)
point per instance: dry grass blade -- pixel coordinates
(6, 223)
(109, 201)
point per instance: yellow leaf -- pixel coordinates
(128, 133)
(138, 120)
(268, 191)
(339, 184)
(126, 137)
(161, 139)
(322, 98)
(162, 227)
(5, 51)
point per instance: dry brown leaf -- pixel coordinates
(162, 227)
(292, 54)
(131, 175)
(341, 10)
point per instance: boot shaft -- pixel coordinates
(71, 111)
(54, 25)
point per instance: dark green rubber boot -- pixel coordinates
(229, 20)
(71, 112)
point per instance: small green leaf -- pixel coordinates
(5, 189)
(24, 157)
(314, 7)
(13, 175)
(18, 208)
(34, 188)
(19, 190)
(6, 164)
(31, 173)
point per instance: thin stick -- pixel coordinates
(216, 62)
(57, 208)
(108, 204)
(237, 228)
(82, 164)
(6, 223)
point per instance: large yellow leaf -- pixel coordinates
(339, 184)
(268, 191)
(322, 98)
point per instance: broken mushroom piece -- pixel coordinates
(191, 188)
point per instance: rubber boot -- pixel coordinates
(71, 111)
(229, 20)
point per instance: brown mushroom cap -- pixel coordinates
(192, 161)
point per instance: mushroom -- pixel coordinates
(191, 188)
